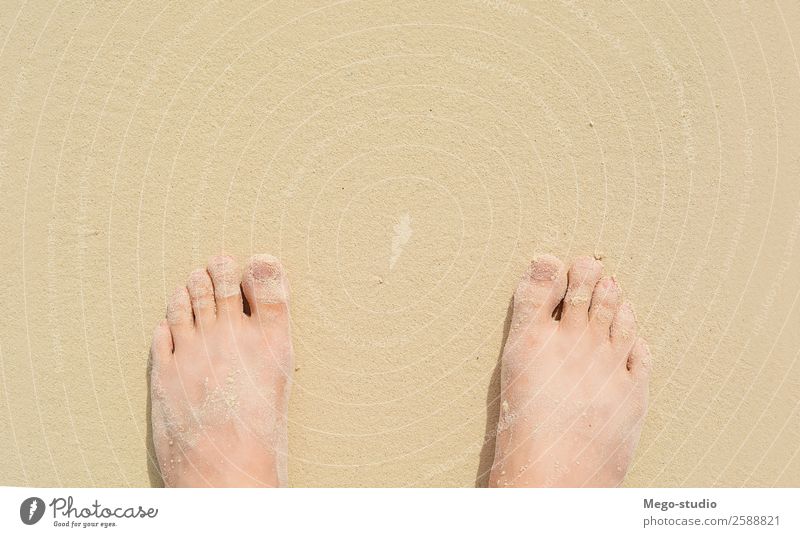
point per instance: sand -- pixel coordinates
(405, 161)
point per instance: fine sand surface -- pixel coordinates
(405, 160)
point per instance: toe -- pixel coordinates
(640, 360)
(201, 293)
(265, 286)
(162, 343)
(623, 327)
(539, 291)
(582, 278)
(606, 299)
(227, 285)
(179, 314)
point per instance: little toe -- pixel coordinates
(179, 314)
(582, 278)
(161, 350)
(201, 292)
(266, 287)
(539, 291)
(640, 361)
(623, 327)
(606, 299)
(226, 278)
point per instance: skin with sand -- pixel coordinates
(574, 387)
(221, 378)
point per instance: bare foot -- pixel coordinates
(220, 378)
(574, 390)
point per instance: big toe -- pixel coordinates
(265, 286)
(539, 291)
(225, 276)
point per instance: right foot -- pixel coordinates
(220, 378)
(574, 390)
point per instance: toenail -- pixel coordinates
(265, 268)
(544, 269)
(587, 263)
(265, 277)
(199, 277)
(178, 310)
(199, 285)
(609, 290)
(221, 258)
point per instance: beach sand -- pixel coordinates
(405, 160)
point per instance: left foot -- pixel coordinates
(220, 378)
